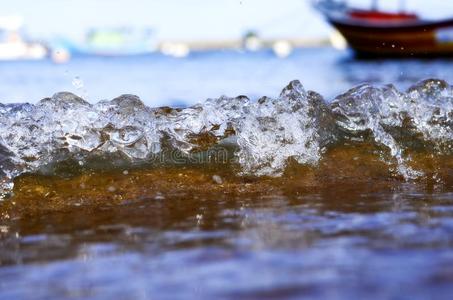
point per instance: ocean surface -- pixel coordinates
(318, 175)
(162, 80)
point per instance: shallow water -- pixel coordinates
(179, 234)
(293, 196)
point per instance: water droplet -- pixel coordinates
(77, 83)
(217, 179)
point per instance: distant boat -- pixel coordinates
(377, 33)
(12, 44)
(123, 41)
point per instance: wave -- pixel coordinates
(257, 136)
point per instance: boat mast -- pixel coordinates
(374, 5)
(402, 5)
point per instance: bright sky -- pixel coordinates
(188, 19)
(173, 19)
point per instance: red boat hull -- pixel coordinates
(397, 37)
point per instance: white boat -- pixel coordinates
(12, 44)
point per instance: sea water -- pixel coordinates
(341, 192)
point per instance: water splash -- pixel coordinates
(77, 83)
(422, 117)
(298, 124)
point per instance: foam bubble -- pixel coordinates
(298, 124)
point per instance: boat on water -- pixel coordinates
(122, 41)
(373, 32)
(13, 46)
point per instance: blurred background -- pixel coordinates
(180, 52)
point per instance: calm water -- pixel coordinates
(348, 228)
(340, 242)
(160, 80)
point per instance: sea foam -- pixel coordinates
(262, 134)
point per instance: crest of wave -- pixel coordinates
(295, 125)
(65, 126)
(422, 117)
(266, 133)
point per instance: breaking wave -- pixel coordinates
(259, 136)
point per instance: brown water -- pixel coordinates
(288, 197)
(347, 228)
